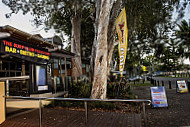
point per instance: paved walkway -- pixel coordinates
(68, 118)
(17, 105)
(176, 115)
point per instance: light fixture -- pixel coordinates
(4, 35)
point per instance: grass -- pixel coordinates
(141, 84)
(169, 76)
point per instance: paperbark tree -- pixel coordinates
(99, 87)
(111, 36)
(112, 31)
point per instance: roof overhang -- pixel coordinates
(61, 53)
(10, 31)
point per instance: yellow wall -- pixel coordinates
(2, 102)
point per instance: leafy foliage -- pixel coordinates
(183, 33)
(124, 90)
(57, 14)
(149, 24)
(81, 90)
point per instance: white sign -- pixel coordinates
(182, 87)
(40, 88)
(159, 96)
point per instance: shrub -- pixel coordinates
(81, 90)
(114, 90)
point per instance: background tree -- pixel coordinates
(63, 16)
(183, 34)
(149, 25)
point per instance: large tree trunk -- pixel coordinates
(112, 31)
(110, 53)
(99, 88)
(93, 53)
(92, 62)
(111, 36)
(75, 41)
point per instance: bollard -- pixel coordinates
(155, 82)
(40, 112)
(188, 85)
(7, 87)
(158, 83)
(152, 81)
(162, 83)
(170, 85)
(86, 111)
(144, 115)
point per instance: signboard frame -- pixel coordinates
(158, 96)
(41, 82)
(181, 86)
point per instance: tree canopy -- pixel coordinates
(149, 24)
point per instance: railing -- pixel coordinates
(14, 78)
(7, 79)
(85, 100)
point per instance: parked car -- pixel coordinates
(149, 78)
(157, 73)
(117, 72)
(135, 78)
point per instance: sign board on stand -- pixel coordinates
(181, 87)
(159, 96)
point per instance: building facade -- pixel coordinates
(23, 54)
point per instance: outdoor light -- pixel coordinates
(4, 35)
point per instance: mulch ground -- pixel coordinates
(178, 111)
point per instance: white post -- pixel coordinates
(7, 87)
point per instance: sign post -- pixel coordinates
(2, 102)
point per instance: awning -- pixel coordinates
(26, 37)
